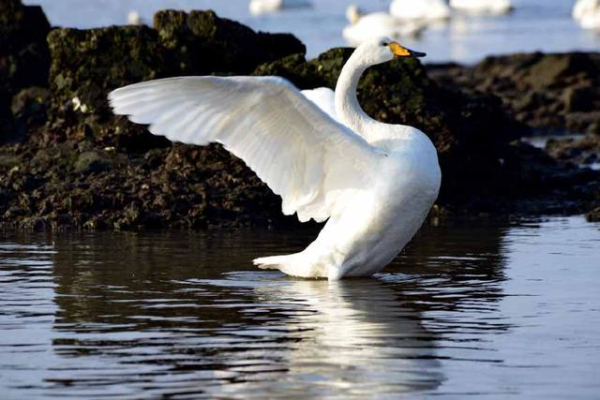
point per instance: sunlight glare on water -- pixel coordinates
(467, 310)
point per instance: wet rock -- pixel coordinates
(23, 52)
(581, 99)
(578, 150)
(92, 162)
(86, 65)
(558, 92)
(24, 58)
(594, 215)
(203, 43)
(7, 125)
(29, 110)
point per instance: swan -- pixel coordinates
(374, 183)
(134, 18)
(587, 13)
(583, 7)
(591, 21)
(369, 26)
(259, 7)
(489, 7)
(420, 9)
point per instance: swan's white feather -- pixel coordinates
(324, 98)
(304, 155)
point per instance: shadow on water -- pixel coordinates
(185, 314)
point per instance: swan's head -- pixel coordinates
(381, 50)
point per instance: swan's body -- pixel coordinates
(374, 183)
(420, 9)
(488, 7)
(375, 25)
(258, 7)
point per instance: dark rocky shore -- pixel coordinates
(67, 162)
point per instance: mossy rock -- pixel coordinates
(88, 64)
(557, 93)
(203, 43)
(24, 57)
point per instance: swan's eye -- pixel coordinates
(385, 44)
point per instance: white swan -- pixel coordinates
(374, 183)
(487, 7)
(374, 25)
(587, 13)
(259, 7)
(420, 9)
(583, 7)
(134, 18)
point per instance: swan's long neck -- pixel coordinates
(347, 107)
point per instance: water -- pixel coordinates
(535, 25)
(468, 311)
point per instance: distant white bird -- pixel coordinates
(374, 25)
(420, 9)
(259, 7)
(134, 18)
(583, 7)
(373, 183)
(484, 7)
(591, 21)
(587, 13)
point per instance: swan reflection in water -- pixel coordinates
(352, 335)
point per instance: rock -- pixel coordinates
(29, 109)
(24, 57)
(594, 215)
(7, 125)
(554, 92)
(580, 150)
(581, 99)
(88, 64)
(203, 43)
(92, 162)
(23, 51)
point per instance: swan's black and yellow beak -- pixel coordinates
(400, 51)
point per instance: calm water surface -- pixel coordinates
(535, 25)
(467, 311)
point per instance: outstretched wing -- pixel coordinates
(303, 155)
